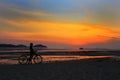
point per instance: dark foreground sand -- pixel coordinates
(89, 69)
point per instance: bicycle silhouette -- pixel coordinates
(25, 59)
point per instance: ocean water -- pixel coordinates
(11, 56)
(13, 59)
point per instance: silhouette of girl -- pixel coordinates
(31, 53)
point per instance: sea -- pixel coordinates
(11, 55)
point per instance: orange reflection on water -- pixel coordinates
(51, 58)
(8, 61)
(67, 58)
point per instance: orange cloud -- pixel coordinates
(67, 33)
(53, 30)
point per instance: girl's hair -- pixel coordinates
(31, 44)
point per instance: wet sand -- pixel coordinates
(13, 59)
(86, 69)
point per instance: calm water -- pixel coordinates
(10, 58)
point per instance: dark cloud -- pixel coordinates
(15, 13)
(9, 13)
(105, 12)
(8, 27)
(113, 43)
(106, 16)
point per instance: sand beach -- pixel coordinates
(85, 69)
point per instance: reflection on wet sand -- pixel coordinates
(13, 59)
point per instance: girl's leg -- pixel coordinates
(30, 59)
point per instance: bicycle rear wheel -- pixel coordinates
(22, 59)
(37, 59)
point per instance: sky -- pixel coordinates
(61, 23)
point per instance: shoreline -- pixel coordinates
(10, 59)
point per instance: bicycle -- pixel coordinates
(25, 59)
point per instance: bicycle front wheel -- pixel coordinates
(22, 59)
(37, 59)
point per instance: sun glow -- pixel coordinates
(68, 33)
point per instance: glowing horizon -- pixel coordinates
(75, 23)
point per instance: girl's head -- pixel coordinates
(31, 44)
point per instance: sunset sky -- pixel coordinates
(61, 23)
